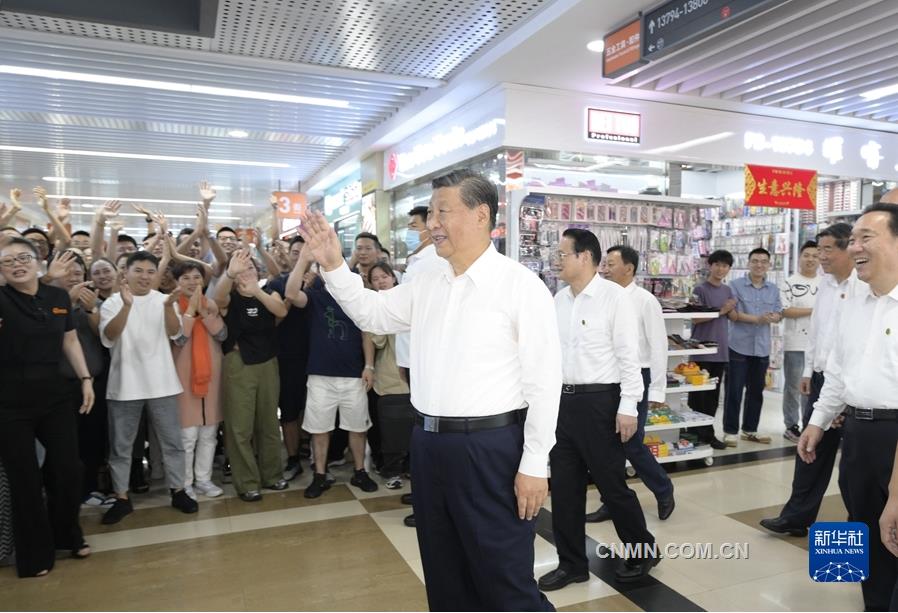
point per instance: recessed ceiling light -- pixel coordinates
(59, 180)
(146, 200)
(596, 46)
(167, 215)
(142, 156)
(238, 133)
(172, 86)
(880, 92)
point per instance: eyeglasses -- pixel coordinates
(22, 258)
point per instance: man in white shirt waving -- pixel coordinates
(860, 373)
(483, 347)
(598, 414)
(620, 266)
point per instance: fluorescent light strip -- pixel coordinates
(168, 216)
(880, 92)
(147, 200)
(692, 143)
(172, 86)
(142, 156)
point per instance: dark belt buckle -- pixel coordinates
(864, 414)
(431, 424)
(567, 388)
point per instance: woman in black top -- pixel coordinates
(36, 331)
(250, 375)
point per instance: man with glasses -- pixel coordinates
(598, 414)
(757, 306)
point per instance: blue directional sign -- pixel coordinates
(678, 22)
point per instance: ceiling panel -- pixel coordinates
(816, 55)
(373, 57)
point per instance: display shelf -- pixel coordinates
(682, 389)
(696, 315)
(701, 452)
(579, 192)
(690, 423)
(684, 352)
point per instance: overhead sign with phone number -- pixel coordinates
(675, 23)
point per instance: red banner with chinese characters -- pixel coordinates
(784, 188)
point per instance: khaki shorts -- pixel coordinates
(327, 395)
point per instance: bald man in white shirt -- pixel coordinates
(484, 347)
(861, 373)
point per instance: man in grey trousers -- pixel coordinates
(136, 325)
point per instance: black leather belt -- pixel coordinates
(864, 414)
(469, 424)
(589, 388)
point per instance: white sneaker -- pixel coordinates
(190, 492)
(208, 489)
(730, 440)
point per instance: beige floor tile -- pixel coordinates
(793, 591)
(608, 603)
(403, 538)
(165, 533)
(730, 491)
(300, 515)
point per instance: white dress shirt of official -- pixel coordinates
(598, 344)
(415, 264)
(860, 373)
(831, 297)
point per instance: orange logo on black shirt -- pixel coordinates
(60, 311)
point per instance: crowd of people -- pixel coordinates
(175, 352)
(208, 344)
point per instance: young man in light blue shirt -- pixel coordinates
(757, 306)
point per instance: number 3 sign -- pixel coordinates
(290, 204)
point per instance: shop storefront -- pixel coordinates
(342, 206)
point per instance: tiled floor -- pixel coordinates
(350, 551)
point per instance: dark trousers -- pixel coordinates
(477, 555)
(868, 453)
(746, 375)
(809, 481)
(585, 440)
(642, 460)
(707, 402)
(396, 418)
(41, 411)
(93, 435)
(377, 455)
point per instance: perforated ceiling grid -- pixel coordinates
(423, 38)
(87, 29)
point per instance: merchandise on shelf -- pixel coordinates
(670, 239)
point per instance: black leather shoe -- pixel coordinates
(406, 499)
(716, 443)
(781, 526)
(635, 569)
(559, 578)
(666, 507)
(409, 520)
(603, 514)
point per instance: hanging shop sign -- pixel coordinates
(614, 126)
(674, 24)
(784, 188)
(341, 200)
(291, 205)
(622, 50)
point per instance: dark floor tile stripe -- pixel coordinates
(649, 594)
